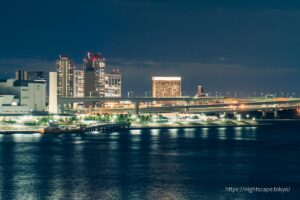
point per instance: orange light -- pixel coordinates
(242, 106)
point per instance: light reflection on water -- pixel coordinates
(20, 137)
(155, 132)
(244, 133)
(141, 164)
(222, 134)
(136, 132)
(173, 132)
(204, 133)
(189, 132)
(238, 133)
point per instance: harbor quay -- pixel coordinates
(109, 122)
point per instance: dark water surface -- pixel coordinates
(190, 163)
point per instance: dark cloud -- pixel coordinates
(215, 76)
(13, 64)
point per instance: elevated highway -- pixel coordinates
(191, 104)
(68, 100)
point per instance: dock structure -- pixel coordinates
(102, 128)
(107, 127)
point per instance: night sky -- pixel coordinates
(230, 46)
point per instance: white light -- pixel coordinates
(160, 78)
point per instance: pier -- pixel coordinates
(102, 128)
(107, 127)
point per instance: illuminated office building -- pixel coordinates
(200, 92)
(94, 75)
(78, 83)
(166, 86)
(113, 84)
(65, 76)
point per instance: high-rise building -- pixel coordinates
(94, 75)
(113, 83)
(39, 76)
(200, 92)
(166, 86)
(65, 76)
(78, 83)
(21, 75)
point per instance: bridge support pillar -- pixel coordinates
(186, 110)
(275, 114)
(223, 115)
(263, 114)
(62, 108)
(137, 107)
(235, 114)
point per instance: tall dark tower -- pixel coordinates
(94, 75)
(21, 75)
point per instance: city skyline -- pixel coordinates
(237, 91)
(149, 99)
(225, 46)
